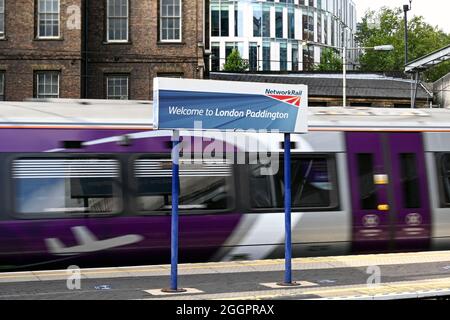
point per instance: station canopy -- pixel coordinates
(430, 60)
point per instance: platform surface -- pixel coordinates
(363, 277)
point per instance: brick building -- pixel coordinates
(97, 49)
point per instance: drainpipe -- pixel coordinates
(86, 55)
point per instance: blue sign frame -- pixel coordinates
(230, 105)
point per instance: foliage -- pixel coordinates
(235, 63)
(389, 29)
(329, 61)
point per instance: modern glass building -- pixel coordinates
(280, 35)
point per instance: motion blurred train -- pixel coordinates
(88, 183)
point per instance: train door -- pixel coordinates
(390, 201)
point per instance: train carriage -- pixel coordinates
(88, 183)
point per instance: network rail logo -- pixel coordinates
(292, 97)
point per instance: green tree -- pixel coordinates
(329, 61)
(387, 27)
(235, 63)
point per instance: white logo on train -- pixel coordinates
(413, 219)
(371, 221)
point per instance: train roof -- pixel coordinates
(65, 113)
(378, 119)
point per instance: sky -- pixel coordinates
(436, 12)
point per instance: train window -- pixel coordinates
(367, 188)
(204, 185)
(445, 178)
(410, 181)
(262, 189)
(68, 186)
(313, 185)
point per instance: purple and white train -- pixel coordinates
(88, 183)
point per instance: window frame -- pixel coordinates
(291, 23)
(223, 30)
(414, 203)
(3, 26)
(174, 75)
(439, 156)
(335, 202)
(371, 202)
(118, 183)
(117, 75)
(279, 21)
(215, 59)
(257, 8)
(266, 53)
(108, 40)
(284, 63)
(36, 83)
(133, 185)
(38, 36)
(253, 59)
(239, 23)
(3, 86)
(160, 19)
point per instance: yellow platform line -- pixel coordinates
(346, 261)
(404, 287)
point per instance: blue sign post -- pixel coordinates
(227, 105)
(174, 221)
(287, 206)
(287, 213)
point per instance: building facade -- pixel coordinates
(130, 42)
(97, 49)
(441, 90)
(280, 35)
(40, 44)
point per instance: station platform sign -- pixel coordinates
(230, 105)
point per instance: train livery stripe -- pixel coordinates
(146, 168)
(257, 236)
(65, 168)
(377, 129)
(311, 128)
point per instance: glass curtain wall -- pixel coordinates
(266, 30)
